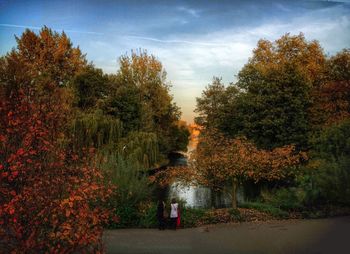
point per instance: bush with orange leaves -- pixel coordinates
(49, 196)
(219, 160)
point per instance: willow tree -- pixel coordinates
(95, 130)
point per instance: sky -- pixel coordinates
(194, 40)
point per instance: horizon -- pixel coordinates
(195, 41)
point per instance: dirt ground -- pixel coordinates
(319, 236)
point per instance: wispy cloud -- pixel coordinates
(177, 41)
(59, 29)
(190, 11)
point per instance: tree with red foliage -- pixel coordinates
(332, 97)
(49, 197)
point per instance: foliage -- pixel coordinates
(333, 142)
(140, 98)
(278, 80)
(332, 181)
(219, 160)
(191, 217)
(90, 88)
(128, 215)
(95, 130)
(235, 214)
(141, 147)
(47, 56)
(285, 198)
(132, 185)
(332, 96)
(289, 94)
(148, 213)
(327, 178)
(217, 108)
(124, 103)
(50, 196)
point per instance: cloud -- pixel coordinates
(38, 28)
(175, 41)
(190, 11)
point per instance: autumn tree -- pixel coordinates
(220, 161)
(278, 80)
(49, 195)
(332, 97)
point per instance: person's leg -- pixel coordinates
(173, 223)
(159, 223)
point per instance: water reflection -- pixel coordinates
(196, 196)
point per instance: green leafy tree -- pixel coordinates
(90, 87)
(277, 81)
(217, 108)
(124, 103)
(142, 100)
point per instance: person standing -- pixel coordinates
(174, 213)
(160, 214)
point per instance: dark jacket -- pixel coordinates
(160, 210)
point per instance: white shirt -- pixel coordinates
(173, 212)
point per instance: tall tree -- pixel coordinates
(277, 81)
(141, 98)
(217, 108)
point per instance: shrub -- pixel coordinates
(191, 217)
(128, 217)
(147, 214)
(327, 179)
(285, 198)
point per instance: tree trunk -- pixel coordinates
(213, 198)
(234, 193)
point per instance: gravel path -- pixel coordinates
(293, 236)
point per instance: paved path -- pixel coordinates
(293, 236)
